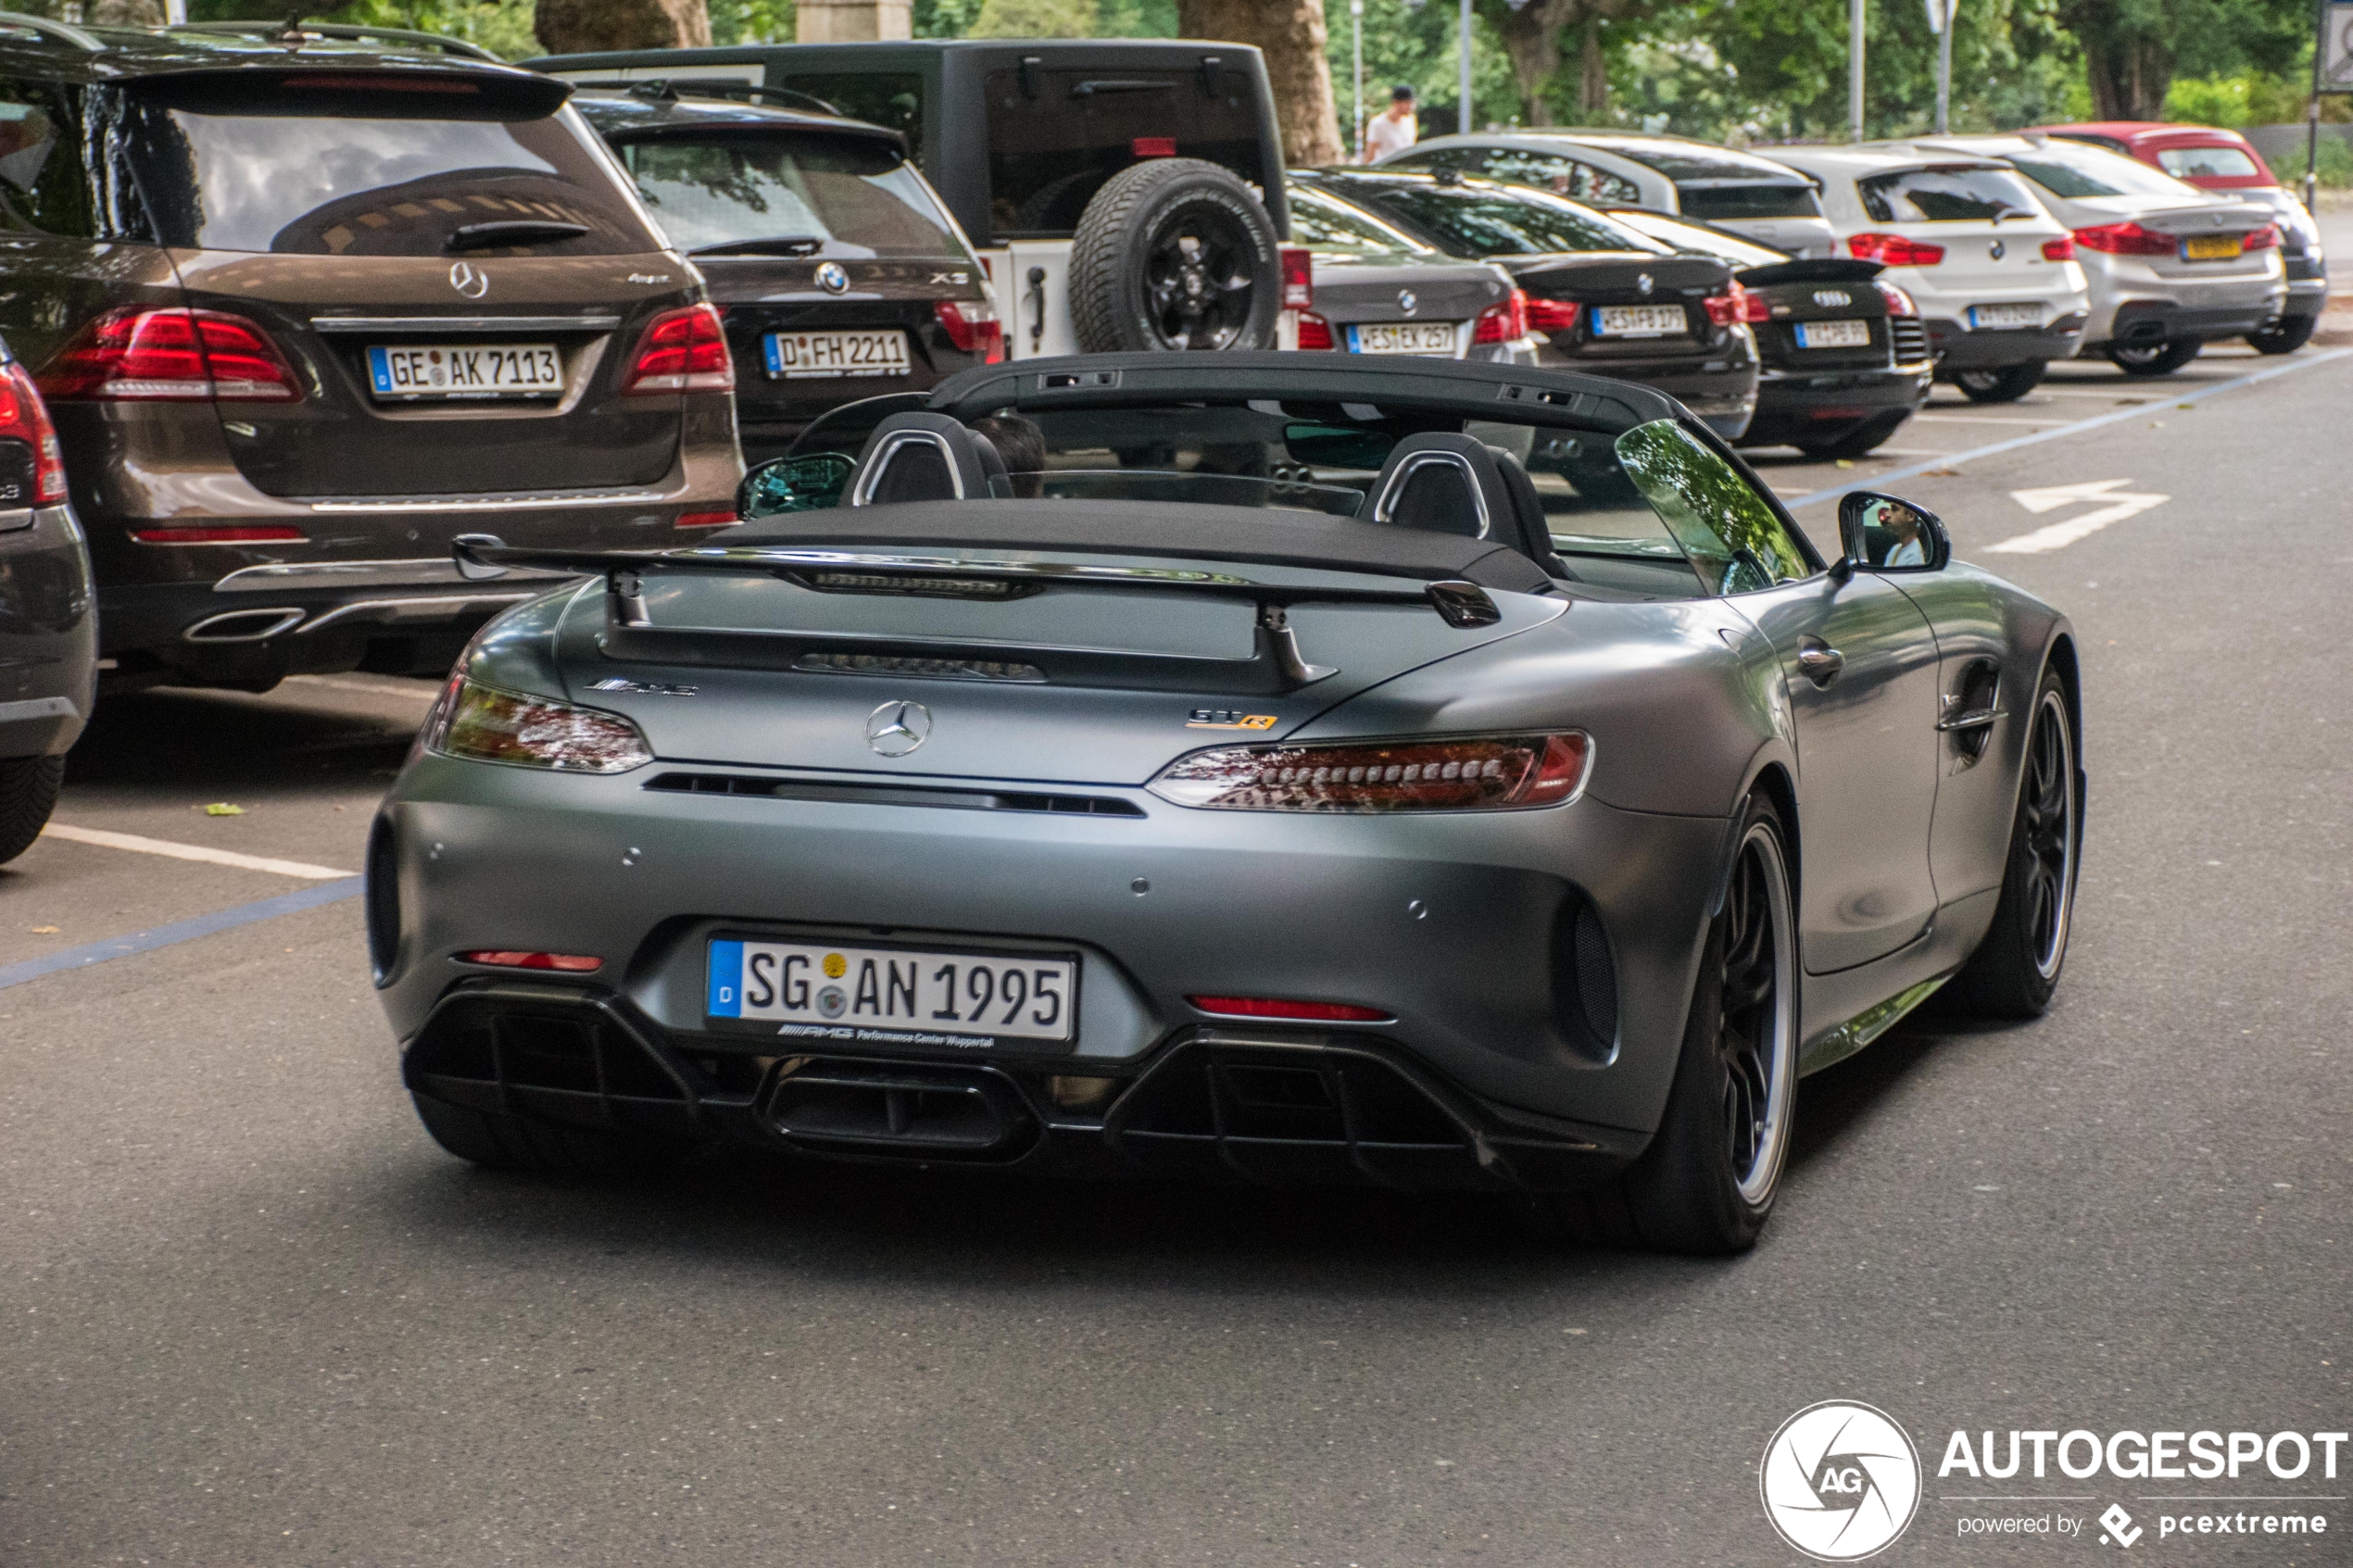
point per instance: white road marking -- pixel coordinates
(2122, 503)
(1985, 419)
(193, 852)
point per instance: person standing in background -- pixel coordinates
(1394, 129)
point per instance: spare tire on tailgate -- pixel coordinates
(1175, 254)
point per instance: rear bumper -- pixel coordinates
(48, 633)
(2160, 320)
(1958, 348)
(1823, 406)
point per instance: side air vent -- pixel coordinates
(1584, 980)
(895, 794)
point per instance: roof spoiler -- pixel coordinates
(1275, 664)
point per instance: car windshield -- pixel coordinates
(2214, 163)
(1487, 221)
(2075, 172)
(1323, 222)
(1698, 240)
(402, 173)
(1654, 511)
(1964, 193)
(846, 197)
(1748, 201)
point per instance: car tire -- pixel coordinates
(28, 794)
(1862, 440)
(1174, 254)
(1706, 1183)
(2284, 337)
(2154, 359)
(2006, 384)
(2016, 965)
(511, 1143)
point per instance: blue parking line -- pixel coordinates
(2154, 404)
(181, 931)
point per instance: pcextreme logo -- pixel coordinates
(1841, 1481)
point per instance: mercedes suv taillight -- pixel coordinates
(683, 350)
(23, 418)
(175, 356)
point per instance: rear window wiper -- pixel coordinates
(511, 232)
(780, 245)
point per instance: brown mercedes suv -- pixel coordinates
(301, 315)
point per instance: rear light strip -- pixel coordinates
(135, 355)
(684, 350)
(705, 519)
(255, 533)
(1474, 774)
(1894, 250)
(22, 417)
(2126, 238)
(1271, 1007)
(503, 958)
(1506, 321)
(1553, 315)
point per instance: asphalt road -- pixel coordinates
(254, 1317)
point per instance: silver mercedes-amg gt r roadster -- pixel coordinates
(1278, 767)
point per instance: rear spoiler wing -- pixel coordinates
(1275, 664)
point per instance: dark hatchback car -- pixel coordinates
(304, 314)
(1601, 299)
(1844, 356)
(837, 269)
(48, 626)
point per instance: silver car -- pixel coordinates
(2170, 267)
(1375, 288)
(1273, 767)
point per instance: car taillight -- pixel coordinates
(1315, 332)
(1275, 1007)
(22, 417)
(684, 350)
(1754, 306)
(1506, 321)
(170, 356)
(2060, 249)
(484, 725)
(2262, 239)
(2126, 238)
(704, 519)
(504, 957)
(1484, 775)
(1898, 302)
(972, 325)
(1553, 315)
(1727, 308)
(1894, 250)
(1299, 277)
(235, 533)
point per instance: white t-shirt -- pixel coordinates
(1384, 136)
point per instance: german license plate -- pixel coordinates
(2210, 248)
(1982, 316)
(442, 371)
(1833, 334)
(1402, 337)
(1639, 320)
(893, 995)
(792, 356)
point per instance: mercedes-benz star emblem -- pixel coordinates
(896, 728)
(468, 280)
(1996, 250)
(832, 278)
(1406, 302)
(1643, 283)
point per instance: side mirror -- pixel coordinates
(810, 483)
(1882, 534)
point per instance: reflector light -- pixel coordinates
(1484, 774)
(257, 533)
(684, 350)
(1315, 332)
(1894, 250)
(1153, 146)
(705, 519)
(1299, 277)
(972, 325)
(2060, 249)
(2126, 238)
(1504, 321)
(1269, 1007)
(1553, 315)
(170, 357)
(484, 725)
(22, 417)
(576, 963)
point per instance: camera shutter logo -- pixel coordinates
(1841, 1481)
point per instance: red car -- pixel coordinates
(2214, 159)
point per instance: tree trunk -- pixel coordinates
(1531, 38)
(568, 27)
(2127, 67)
(1290, 34)
(1592, 77)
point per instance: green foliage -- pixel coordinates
(2335, 164)
(1135, 19)
(1035, 18)
(754, 21)
(2252, 97)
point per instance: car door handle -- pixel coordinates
(1818, 661)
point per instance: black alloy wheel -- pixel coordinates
(2153, 358)
(2006, 384)
(1706, 1183)
(2015, 968)
(2284, 337)
(1197, 280)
